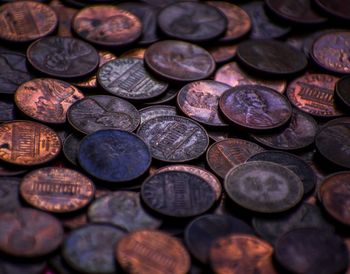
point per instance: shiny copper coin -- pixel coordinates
(65, 17)
(26, 21)
(46, 100)
(223, 53)
(136, 53)
(152, 252)
(28, 143)
(57, 189)
(106, 25)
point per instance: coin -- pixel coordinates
(46, 100)
(65, 17)
(136, 53)
(107, 25)
(255, 107)
(29, 233)
(179, 61)
(174, 138)
(263, 187)
(9, 199)
(114, 155)
(103, 112)
(151, 112)
(166, 97)
(71, 147)
(342, 89)
(222, 53)
(161, 193)
(28, 143)
(337, 8)
(161, 3)
(7, 110)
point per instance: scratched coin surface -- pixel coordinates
(29, 233)
(152, 252)
(177, 194)
(46, 100)
(263, 187)
(128, 78)
(200, 101)
(174, 138)
(148, 113)
(56, 189)
(28, 143)
(9, 198)
(63, 57)
(103, 112)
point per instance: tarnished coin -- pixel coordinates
(103, 112)
(342, 90)
(9, 198)
(71, 148)
(135, 53)
(222, 53)
(65, 17)
(7, 110)
(57, 189)
(29, 233)
(312, 251)
(255, 107)
(127, 78)
(148, 113)
(161, 192)
(28, 143)
(26, 21)
(229, 153)
(122, 209)
(264, 187)
(90, 249)
(200, 101)
(336, 8)
(152, 251)
(179, 61)
(63, 57)
(161, 3)
(114, 155)
(314, 94)
(174, 138)
(107, 25)
(46, 100)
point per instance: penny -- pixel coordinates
(15, 266)
(314, 94)
(255, 107)
(107, 25)
(174, 138)
(122, 209)
(9, 199)
(136, 53)
(263, 187)
(7, 110)
(337, 8)
(192, 21)
(151, 112)
(229, 153)
(29, 233)
(75, 220)
(166, 97)
(223, 53)
(114, 155)
(179, 61)
(219, 135)
(28, 143)
(24, 22)
(311, 251)
(160, 192)
(103, 112)
(90, 249)
(232, 74)
(342, 90)
(46, 100)
(57, 189)
(65, 17)
(271, 57)
(71, 148)
(330, 50)
(200, 101)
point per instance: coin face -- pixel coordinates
(148, 113)
(28, 143)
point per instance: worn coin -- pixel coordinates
(342, 90)
(71, 148)
(7, 110)
(222, 53)
(9, 199)
(150, 112)
(337, 8)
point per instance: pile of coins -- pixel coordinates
(170, 137)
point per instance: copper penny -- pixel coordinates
(136, 53)
(26, 21)
(152, 252)
(57, 189)
(28, 143)
(65, 17)
(314, 94)
(46, 100)
(222, 53)
(107, 25)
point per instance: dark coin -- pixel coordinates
(192, 21)
(179, 61)
(161, 192)
(114, 155)
(229, 153)
(311, 251)
(156, 111)
(71, 148)
(336, 8)
(63, 57)
(74, 221)
(201, 233)
(342, 90)
(271, 57)
(255, 107)
(29, 233)
(128, 78)
(222, 53)
(107, 25)
(65, 17)
(174, 138)
(7, 110)
(166, 97)
(90, 249)
(162, 3)
(264, 187)
(15, 266)
(103, 112)
(9, 198)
